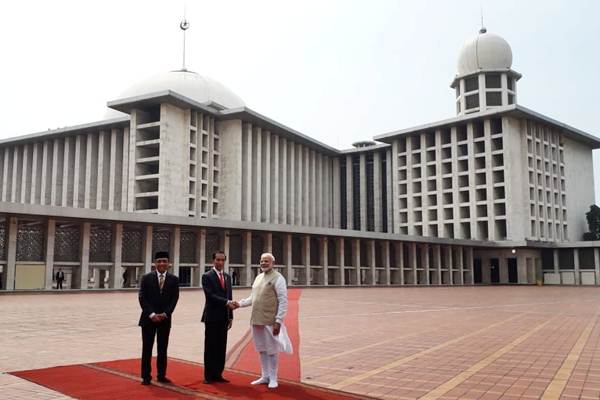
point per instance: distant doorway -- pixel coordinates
(477, 276)
(185, 276)
(495, 270)
(513, 276)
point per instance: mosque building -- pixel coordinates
(494, 195)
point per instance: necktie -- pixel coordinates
(221, 280)
(161, 281)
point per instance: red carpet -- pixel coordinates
(83, 382)
(289, 364)
(116, 380)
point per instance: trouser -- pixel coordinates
(215, 347)
(161, 331)
(269, 364)
(59, 284)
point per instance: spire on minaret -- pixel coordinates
(482, 30)
(184, 25)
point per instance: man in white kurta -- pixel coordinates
(269, 306)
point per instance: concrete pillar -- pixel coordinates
(522, 269)
(34, 174)
(200, 257)
(425, 260)
(437, 263)
(371, 260)
(503, 270)
(356, 260)
(111, 174)
(50, 236)
(377, 191)
(324, 256)
(386, 262)
(275, 176)
(461, 266)
(247, 256)
(97, 277)
(148, 256)
(175, 249)
(576, 266)
(226, 246)
(335, 179)
(449, 264)
(84, 274)
(412, 261)
(300, 195)
(349, 194)
(54, 180)
(266, 178)
(556, 260)
(363, 192)
(287, 256)
(256, 174)
(65, 173)
(11, 254)
(125, 188)
(116, 276)
(597, 265)
(306, 258)
(470, 267)
(290, 183)
(399, 249)
(341, 261)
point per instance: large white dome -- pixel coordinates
(187, 83)
(486, 51)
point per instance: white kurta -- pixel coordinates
(262, 335)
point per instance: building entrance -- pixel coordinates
(512, 271)
(494, 271)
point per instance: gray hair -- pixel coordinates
(270, 255)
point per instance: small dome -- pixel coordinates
(187, 83)
(487, 51)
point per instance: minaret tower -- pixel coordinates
(484, 78)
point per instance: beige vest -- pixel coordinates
(264, 299)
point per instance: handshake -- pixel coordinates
(232, 304)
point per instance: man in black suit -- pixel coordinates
(60, 277)
(217, 318)
(158, 295)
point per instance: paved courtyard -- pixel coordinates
(391, 343)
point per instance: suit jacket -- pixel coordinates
(153, 301)
(215, 307)
(60, 275)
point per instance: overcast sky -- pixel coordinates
(339, 71)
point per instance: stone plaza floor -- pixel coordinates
(503, 342)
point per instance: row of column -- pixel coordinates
(576, 268)
(284, 182)
(452, 268)
(83, 171)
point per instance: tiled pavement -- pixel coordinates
(391, 343)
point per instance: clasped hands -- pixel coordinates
(159, 317)
(233, 304)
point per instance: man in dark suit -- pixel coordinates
(60, 277)
(217, 318)
(158, 295)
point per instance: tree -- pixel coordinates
(593, 220)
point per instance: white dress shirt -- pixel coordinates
(158, 275)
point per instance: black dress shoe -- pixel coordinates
(146, 382)
(164, 379)
(207, 381)
(221, 379)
